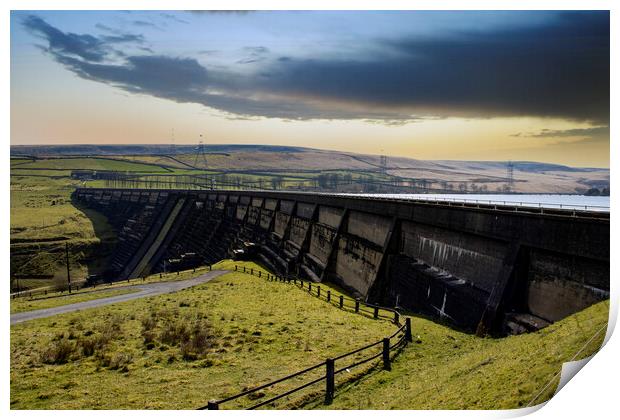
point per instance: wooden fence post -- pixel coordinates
(357, 305)
(260, 273)
(329, 381)
(318, 291)
(213, 405)
(251, 271)
(341, 301)
(376, 314)
(244, 269)
(408, 335)
(310, 287)
(396, 319)
(235, 268)
(329, 296)
(386, 354)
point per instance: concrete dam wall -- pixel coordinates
(484, 268)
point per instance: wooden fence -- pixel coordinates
(330, 367)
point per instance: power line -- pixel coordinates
(200, 156)
(510, 176)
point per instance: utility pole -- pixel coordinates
(67, 260)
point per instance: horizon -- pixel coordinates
(442, 85)
(250, 145)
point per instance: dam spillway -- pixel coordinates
(484, 268)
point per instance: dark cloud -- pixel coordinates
(106, 28)
(560, 69)
(254, 55)
(87, 47)
(588, 135)
(122, 38)
(173, 18)
(146, 24)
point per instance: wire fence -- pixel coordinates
(385, 348)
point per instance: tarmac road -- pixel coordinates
(146, 290)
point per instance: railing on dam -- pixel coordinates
(461, 201)
(383, 348)
(512, 206)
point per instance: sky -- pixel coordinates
(465, 85)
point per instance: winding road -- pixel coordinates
(146, 290)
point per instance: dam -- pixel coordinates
(489, 269)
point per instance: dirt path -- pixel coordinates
(146, 290)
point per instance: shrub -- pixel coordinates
(88, 346)
(174, 333)
(57, 352)
(149, 322)
(120, 361)
(92, 343)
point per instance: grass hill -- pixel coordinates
(132, 355)
(399, 172)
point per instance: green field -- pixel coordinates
(252, 331)
(126, 355)
(88, 163)
(449, 370)
(42, 220)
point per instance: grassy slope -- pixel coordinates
(42, 220)
(44, 302)
(262, 330)
(34, 217)
(261, 336)
(451, 370)
(90, 163)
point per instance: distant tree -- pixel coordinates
(323, 180)
(347, 178)
(462, 187)
(593, 192)
(276, 182)
(333, 180)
